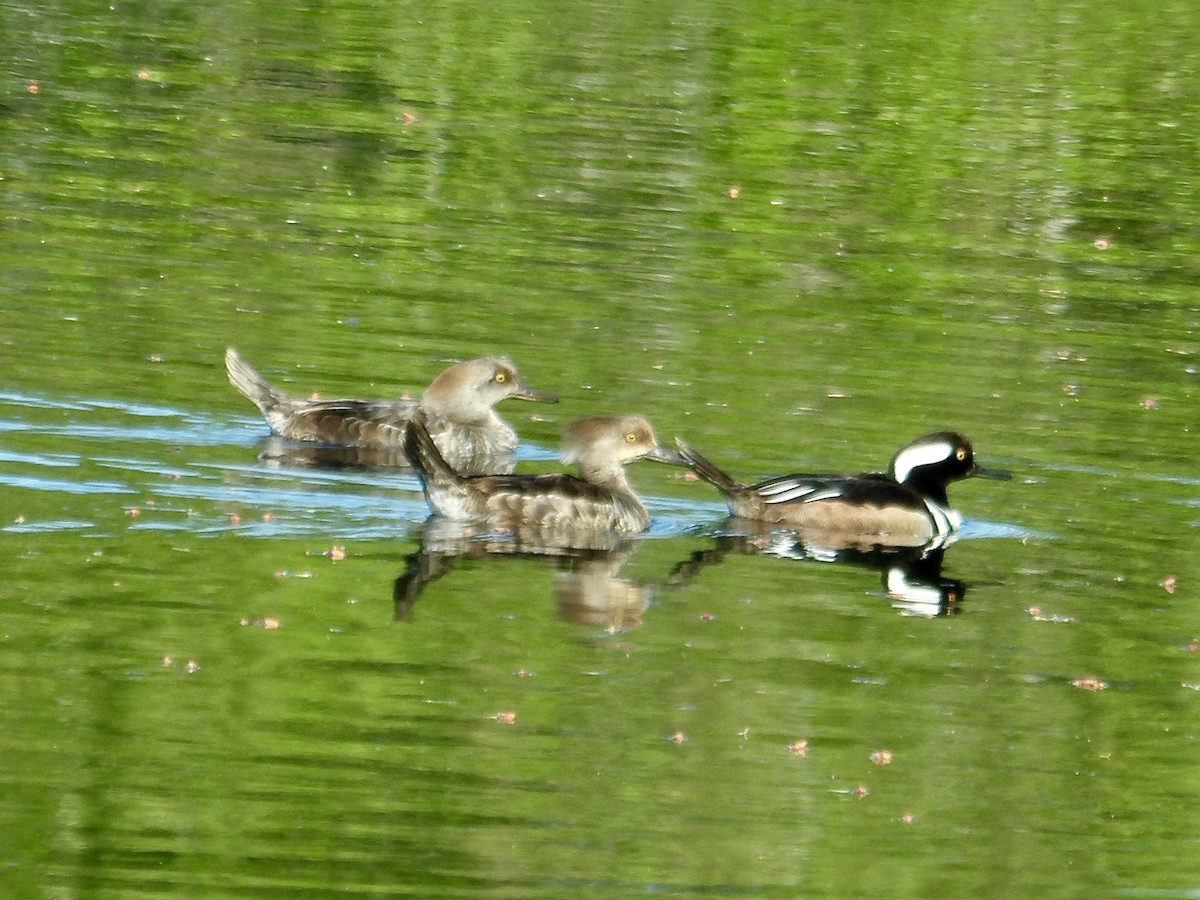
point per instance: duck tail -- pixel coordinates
(425, 457)
(256, 388)
(706, 469)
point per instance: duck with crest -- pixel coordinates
(458, 406)
(552, 507)
(905, 507)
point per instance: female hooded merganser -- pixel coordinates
(554, 507)
(906, 507)
(458, 406)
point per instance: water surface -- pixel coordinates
(796, 237)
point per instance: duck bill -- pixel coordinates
(524, 393)
(997, 474)
(662, 455)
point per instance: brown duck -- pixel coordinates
(599, 500)
(458, 405)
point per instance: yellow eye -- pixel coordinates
(961, 453)
(630, 437)
(500, 377)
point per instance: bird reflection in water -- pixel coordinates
(910, 576)
(283, 453)
(587, 585)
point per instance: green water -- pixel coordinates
(797, 236)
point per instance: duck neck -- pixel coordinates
(611, 476)
(461, 414)
(930, 488)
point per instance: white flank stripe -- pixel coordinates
(807, 493)
(776, 487)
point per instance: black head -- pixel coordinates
(931, 462)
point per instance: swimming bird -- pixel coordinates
(458, 405)
(552, 507)
(906, 507)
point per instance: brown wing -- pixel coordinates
(360, 423)
(558, 501)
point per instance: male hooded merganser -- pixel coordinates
(458, 405)
(905, 507)
(553, 506)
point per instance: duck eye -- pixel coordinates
(961, 453)
(630, 437)
(500, 377)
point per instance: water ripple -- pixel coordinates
(349, 501)
(59, 485)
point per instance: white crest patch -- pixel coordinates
(921, 455)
